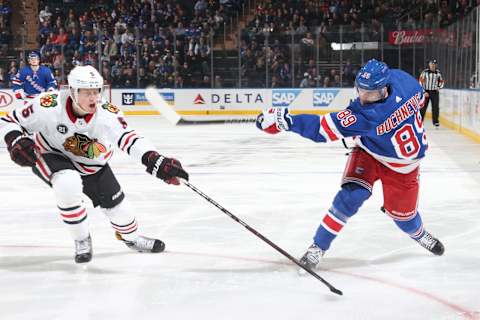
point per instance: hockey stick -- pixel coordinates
(261, 236)
(157, 101)
(173, 117)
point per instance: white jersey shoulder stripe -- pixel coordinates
(328, 129)
(397, 165)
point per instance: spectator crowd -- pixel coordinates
(312, 25)
(5, 35)
(168, 42)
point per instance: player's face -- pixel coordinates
(432, 66)
(87, 99)
(370, 96)
(34, 62)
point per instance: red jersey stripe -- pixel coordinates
(327, 129)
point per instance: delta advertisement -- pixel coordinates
(212, 104)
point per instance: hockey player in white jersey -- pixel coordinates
(67, 137)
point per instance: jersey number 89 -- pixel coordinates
(346, 118)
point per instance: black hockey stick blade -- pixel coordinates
(262, 237)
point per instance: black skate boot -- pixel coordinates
(311, 258)
(143, 244)
(83, 250)
(431, 243)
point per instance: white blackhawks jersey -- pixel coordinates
(88, 142)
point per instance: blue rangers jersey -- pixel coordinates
(390, 130)
(29, 83)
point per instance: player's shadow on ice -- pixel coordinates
(57, 263)
(327, 264)
(345, 263)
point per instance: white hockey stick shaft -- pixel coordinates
(157, 102)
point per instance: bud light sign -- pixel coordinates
(284, 98)
(324, 97)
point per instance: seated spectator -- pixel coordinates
(285, 74)
(218, 82)
(200, 6)
(3, 79)
(62, 38)
(307, 81)
(4, 41)
(276, 83)
(11, 74)
(326, 82)
(205, 82)
(58, 77)
(44, 15)
(58, 59)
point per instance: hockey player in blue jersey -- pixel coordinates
(390, 141)
(33, 79)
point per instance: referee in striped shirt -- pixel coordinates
(432, 81)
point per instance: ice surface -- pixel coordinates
(215, 269)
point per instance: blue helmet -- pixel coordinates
(373, 75)
(33, 55)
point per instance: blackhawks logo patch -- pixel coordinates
(82, 146)
(110, 107)
(48, 101)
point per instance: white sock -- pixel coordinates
(122, 220)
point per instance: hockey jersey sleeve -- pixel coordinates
(441, 81)
(51, 83)
(126, 138)
(332, 126)
(25, 119)
(17, 85)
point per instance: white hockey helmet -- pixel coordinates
(84, 77)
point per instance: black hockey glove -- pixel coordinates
(21, 148)
(167, 169)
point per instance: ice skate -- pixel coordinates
(311, 258)
(83, 250)
(431, 243)
(143, 244)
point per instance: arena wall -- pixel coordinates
(459, 109)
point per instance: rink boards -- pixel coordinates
(459, 109)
